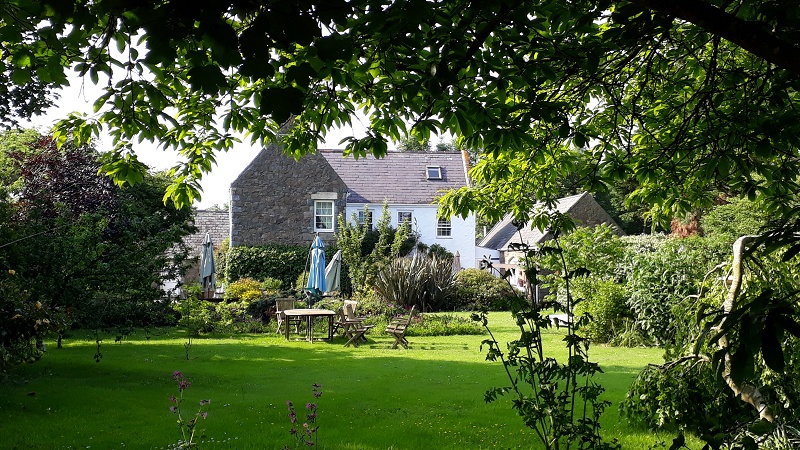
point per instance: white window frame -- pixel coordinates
(318, 216)
(444, 228)
(400, 220)
(433, 172)
(369, 216)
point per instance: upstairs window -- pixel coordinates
(404, 216)
(365, 217)
(444, 228)
(323, 215)
(434, 172)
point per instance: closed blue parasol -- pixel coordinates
(207, 268)
(316, 271)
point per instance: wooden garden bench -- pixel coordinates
(397, 328)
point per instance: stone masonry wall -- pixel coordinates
(588, 213)
(215, 222)
(218, 223)
(272, 199)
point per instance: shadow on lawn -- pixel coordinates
(373, 396)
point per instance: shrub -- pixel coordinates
(418, 280)
(442, 325)
(660, 281)
(377, 309)
(23, 322)
(365, 252)
(739, 217)
(236, 317)
(271, 287)
(690, 395)
(281, 262)
(596, 250)
(606, 302)
(244, 289)
(221, 260)
(440, 252)
(477, 289)
(195, 315)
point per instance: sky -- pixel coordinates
(215, 185)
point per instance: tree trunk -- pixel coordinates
(747, 392)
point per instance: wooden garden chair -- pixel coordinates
(397, 328)
(343, 326)
(350, 311)
(357, 334)
(282, 304)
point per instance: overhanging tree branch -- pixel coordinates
(749, 35)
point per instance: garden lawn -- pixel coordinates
(427, 397)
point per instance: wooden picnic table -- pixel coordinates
(308, 314)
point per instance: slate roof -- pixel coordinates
(399, 177)
(505, 233)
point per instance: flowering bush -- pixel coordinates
(24, 321)
(188, 427)
(244, 289)
(308, 435)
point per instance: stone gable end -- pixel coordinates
(272, 200)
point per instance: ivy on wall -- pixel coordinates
(282, 262)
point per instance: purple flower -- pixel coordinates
(173, 408)
(293, 431)
(205, 402)
(289, 403)
(177, 375)
(204, 414)
(173, 399)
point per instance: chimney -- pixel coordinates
(465, 158)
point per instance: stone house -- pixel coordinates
(498, 246)
(279, 200)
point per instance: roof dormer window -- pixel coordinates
(434, 172)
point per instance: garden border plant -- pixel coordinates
(559, 401)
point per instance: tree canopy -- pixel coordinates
(686, 99)
(74, 248)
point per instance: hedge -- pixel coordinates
(281, 262)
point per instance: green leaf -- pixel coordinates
(791, 253)
(742, 362)
(208, 79)
(281, 103)
(762, 427)
(771, 347)
(21, 77)
(579, 139)
(789, 324)
(257, 68)
(678, 442)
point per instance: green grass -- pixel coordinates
(430, 396)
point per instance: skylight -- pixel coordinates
(434, 172)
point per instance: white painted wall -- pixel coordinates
(486, 253)
(424, 221)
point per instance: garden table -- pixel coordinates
(308, 315)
